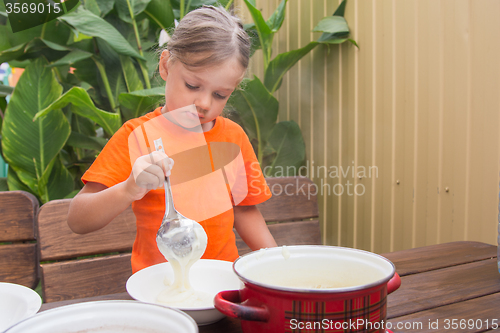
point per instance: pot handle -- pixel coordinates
(393, 283)
(229, 303)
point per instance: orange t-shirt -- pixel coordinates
(208, 179)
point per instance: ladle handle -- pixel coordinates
(170, 212)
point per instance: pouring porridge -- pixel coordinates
(180, 293)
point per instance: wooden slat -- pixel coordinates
(424, 291)
(288, 233)
(18, 261)
(17, 216)
(482, 309)
(18, 264)
(456, 253)
(85, 278)
(293, 198)
(57, 241)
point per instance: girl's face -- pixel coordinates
(207, 88)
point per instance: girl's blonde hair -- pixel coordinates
(208, 36)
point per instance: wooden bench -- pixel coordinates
(18, 255)
(64, 273)
(293, 216)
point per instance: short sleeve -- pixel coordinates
(112, 165)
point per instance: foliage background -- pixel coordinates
(94, 68)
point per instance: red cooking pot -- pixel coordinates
(311, 288)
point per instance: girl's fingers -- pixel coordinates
(147, 180)
(150, 170)
(151, 177)
(163, 161)
(169, 167)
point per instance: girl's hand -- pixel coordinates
(148, 173)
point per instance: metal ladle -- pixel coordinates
(184, 237)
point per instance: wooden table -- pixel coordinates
(445, 288)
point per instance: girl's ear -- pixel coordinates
(163, 65)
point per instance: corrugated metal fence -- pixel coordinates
(402, 134)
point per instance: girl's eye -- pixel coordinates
(219, 96)
(216, 95)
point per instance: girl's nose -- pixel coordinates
(203, 101)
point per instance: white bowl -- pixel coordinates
(206, 275)
(108, 317)
(17, 303)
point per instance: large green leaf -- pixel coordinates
(79, 140)
(264, 32)
(82, 105)
(86, 45)
(137, 6)
(152, 61)
(92, 25)
(91, 6)
(72, 57)
(38, 43)
(335, 25)
(105, 6)
(254, 38)
(2, 9)
(280, 65)
(141, 101)
(39, 47)
(99, 7)
(287, 141)
(258, 110)
(132, 79)
(160, 11)
(340, 11)
(276, 19)
(124, 28)
(5, 90)
(15, 184)
(336, 29)
(3, 184)
(30, 147)
(12, 53)
(53, 31)
(3, 107)
(4, 40)
(113, 69)
(82, 125)
(334, 40)
(34, 49)
(60, 182)
(86, 71)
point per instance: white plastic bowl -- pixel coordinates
(17, 303)
(210, 276)
(108, 317)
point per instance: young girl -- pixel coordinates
(204, 62)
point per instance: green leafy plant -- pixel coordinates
(86, 73)
(278, 144)
(90, 70)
